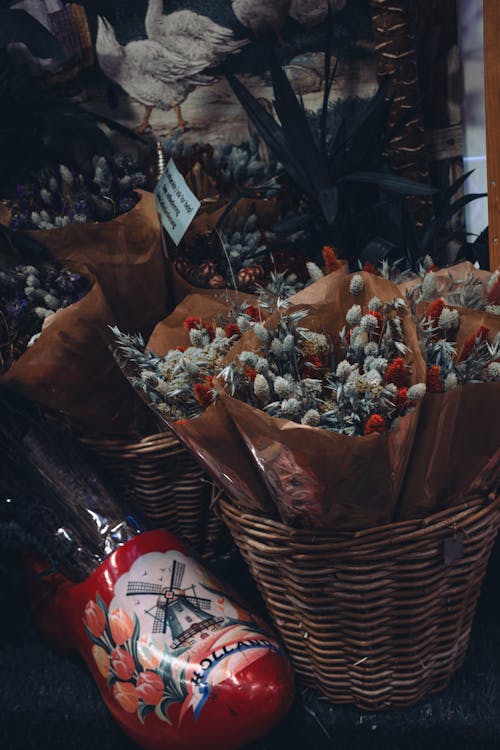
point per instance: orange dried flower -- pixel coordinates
(181, 348)
(209, 329)
(370, 268)
(330, 257)
(435, 309)
(250, 373)
(397, 373)
(203, 394)
(232, 329)
(375, 423)
(481, 334)
(192, 322)
(401, 396)
(434, 379)
(181, 421)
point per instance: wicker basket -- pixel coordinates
(162, 479)
(377, 618)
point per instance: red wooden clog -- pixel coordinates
(179, 662)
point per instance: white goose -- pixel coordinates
(261, 16)
(313, 12)
(148, 72)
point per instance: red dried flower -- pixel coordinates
(397, 373)
(181, 421)
(434, 379)
(203, 394)
(401, 396)
(493, 295)
(331, 261)
(379, 316)
(250, 373)
(375, 423)
(435, 309)
(181, 348)
(232, 329)
(254, 313)
(370, 268)
(481, 334)
(192, 322)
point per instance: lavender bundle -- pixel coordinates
(61, 196)
(29, 295)
(61, 503)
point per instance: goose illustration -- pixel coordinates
(162, 70)
(261, 16)
(313, 12)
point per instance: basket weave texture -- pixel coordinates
(379, 618)
(165, 483)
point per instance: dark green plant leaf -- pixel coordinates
(431, 232)
(444, 198)
(392, 182)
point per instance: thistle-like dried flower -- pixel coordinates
(429, 286)
(312, 418)
(314, 271)
(290, 407)
(493, 371)
(261, 333)
(261, 388)
(450, 381)
(344, 370)
(369, 323)
(448, 318)
(357, 284)
(416, 392)
(282, 387)
(353, 316)
(375, 304)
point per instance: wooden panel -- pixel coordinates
(491, 11)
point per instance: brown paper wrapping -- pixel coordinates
(445, 276)
(319, 478)
(212, 437)
(70, 368)
(458, 433)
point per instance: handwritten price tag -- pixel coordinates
(176, 204)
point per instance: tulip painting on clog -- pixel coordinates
(179, 662)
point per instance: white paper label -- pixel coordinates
(176, 204)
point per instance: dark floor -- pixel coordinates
(48, 701)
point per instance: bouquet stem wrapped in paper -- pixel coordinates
(70, 368)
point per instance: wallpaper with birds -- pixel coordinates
(159, 65)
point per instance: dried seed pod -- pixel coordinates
(247, 277)
(206, 270)
(216, 282)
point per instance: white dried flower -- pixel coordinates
(243, 323)
(33, 339)
(196, 337)
(51, 302)
(312, 418)
(379, 363)
(163, 388)
(416, 392)
(375, 304)
(261, 388)
(429, 286)
(290, 407)
(450, 381)
(373, 377)
(495, 309)
(282, 387)
(261, 333)
(314, 271)
(61, 221)
(449, 318)
(261, 365)
(344, 369)
(357, 284)
(53, 185)
(32, 280)
(371, 349)
(494, 371)
(399, 303)
(190, 367)
(42, 312)
(368, 323)
(36, 219)
(45, 196)
(360, 340)
(219, 333)
(353, 316)
(391, 389)
(248, 358)
(277, 348)
(289, 343)
(66, 175)
(312, 386)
